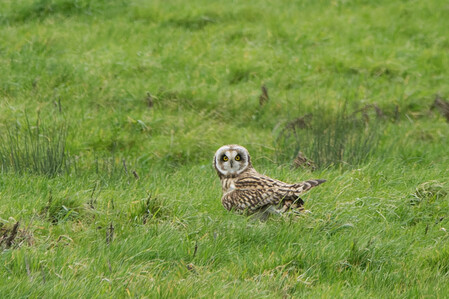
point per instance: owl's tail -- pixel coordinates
(306, 185)
(293, 201)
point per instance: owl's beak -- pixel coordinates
(231, 163)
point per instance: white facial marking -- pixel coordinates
(231, 166)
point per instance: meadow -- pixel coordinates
(111, 112)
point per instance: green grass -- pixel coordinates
(115, 198)
(31, 148)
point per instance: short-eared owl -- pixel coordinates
(246, 189)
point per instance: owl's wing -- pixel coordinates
(246, 199)
(255, 192)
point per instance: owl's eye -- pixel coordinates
(237, 158)
(225, 158)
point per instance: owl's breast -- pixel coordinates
(228, 184)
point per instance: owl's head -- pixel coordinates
(231, 160)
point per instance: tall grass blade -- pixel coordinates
(33, 149)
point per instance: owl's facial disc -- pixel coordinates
(231, 160)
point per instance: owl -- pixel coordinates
(244, 189)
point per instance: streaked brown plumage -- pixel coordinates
(246, 189)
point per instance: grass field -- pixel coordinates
(111, 111)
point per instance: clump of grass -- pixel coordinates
(12, 236)
(27, 148)
(431, 190)
(147, 209)
(61, 209)
(328, 138)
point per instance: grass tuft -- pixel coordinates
(61, 209)
(430, 191)
(329, 138)
(34, 148)
(12, 236)
(147, 209)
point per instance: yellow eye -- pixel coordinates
(237, 158)
(225, 158)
